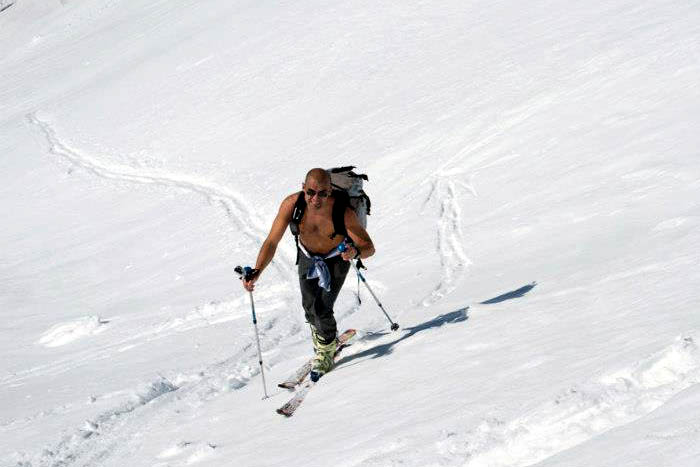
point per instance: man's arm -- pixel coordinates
(359, 236)
(269, 246)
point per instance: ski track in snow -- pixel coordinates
(103, 429)
(453, 259)
(112, 430)
(233, 204)
(117, 430)
(580, 413)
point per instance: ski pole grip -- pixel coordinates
(344, 245)
(245, 273)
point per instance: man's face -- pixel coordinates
(316, 193)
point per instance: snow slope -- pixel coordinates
(535, 178)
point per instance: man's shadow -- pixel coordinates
(456, 316)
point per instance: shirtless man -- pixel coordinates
(322, 268)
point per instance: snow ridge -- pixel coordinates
(580, 413)
(65, 333)
(114, 430)
(72, 448)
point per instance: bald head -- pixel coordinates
(320, 176)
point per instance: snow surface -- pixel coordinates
(535, 175)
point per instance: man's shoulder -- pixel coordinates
(291, 198)
(290, 201)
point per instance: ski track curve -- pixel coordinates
(469, 159)
(233, 204)
(453, 259)
(112, 430)
(236, 210)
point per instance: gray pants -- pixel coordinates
(317, 303)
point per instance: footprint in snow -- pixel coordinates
(188, 452)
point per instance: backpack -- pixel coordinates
(344, 179)
(348, 192)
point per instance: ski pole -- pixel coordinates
(245, 273)
(342, 247)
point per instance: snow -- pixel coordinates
(535, 181)
(62, 334)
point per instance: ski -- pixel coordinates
(292, 404)
(288, 409)
(298, 376)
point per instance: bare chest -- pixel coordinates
(315, 233)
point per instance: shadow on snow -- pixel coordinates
(510, 295)
(456, 316)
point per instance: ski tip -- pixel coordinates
(282, 412)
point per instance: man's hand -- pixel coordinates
(350, 252)
(249, 281)
(358, 236)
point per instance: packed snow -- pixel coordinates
(535, 178)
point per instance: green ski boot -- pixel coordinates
(324, 358)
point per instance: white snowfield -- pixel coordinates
(535, 177)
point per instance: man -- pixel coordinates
(322, 267)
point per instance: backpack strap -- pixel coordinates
(342, 201)
(368, 202)
(297, 215)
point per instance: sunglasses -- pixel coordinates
(321, 194)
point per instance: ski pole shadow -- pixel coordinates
(377, 351)
(510, 295)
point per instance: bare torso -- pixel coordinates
(316, 228)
